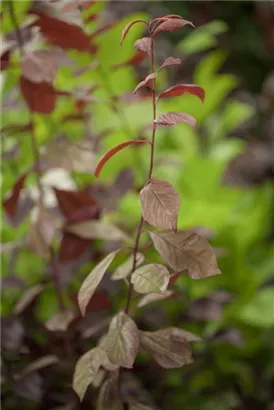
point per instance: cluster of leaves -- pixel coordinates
(76, 226)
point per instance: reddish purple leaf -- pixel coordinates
(113, 151)
(39, 97)
(77, 206)
(170, 61)
(128, 27)
(164, 18)
(147, 82)
(72, 247)
(137, 59)
(10, 203)
(171, 24)
(144, 44)
(63, 34)
(171, 118)
(180, 89)
(5, 60)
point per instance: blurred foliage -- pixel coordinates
(233, 312)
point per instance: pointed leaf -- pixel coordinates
(186, 250)
(40, 66)
(72, 247)
(86, 370)
(136, 59)
(171, 24)
(27, 298)
(144, 44)
(154, 297)
(60, 321)
(40, 97)
(170, 61)
(160, 204)
(108, 398)
(150, 278)
(122, 341)
(96, 230)
(113, 151)
(124, 270)
(147, 82)
(92, 281)
(171, 118)
(38, 364)
(181, 89)
(168, 349)
(10, 203)
(128, 27)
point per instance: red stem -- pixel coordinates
(139, 230)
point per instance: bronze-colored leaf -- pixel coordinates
(181, 89)
(168, 349)
(128, 27)
(60, 321)
(144, 44)
(41, 232)
(96, 230)
(170, 61)
(160, 204)
(147, 82)
(171, 24)
(171, 118)
(186, 250)
(122, 341)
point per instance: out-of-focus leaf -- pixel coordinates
(60, 321)
(181, 89)
(150, 278)
(96, 230)
(12, 333)
(10, 203)
(124, 270)
(40, 97)
(27, 298)
(72, 247)
(160, 204)
(38, 364)
(259, 311)
(92, 281)
(143, 44)
(39, 66)
(186, 250)
(69, 156)
(168, 348)
(42, 232)
(122, 341)
(108, 398)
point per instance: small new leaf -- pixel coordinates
(92, 281)
(128, 27)
(108, 398)
(150, 278)
(168, 348)
(147, 82)
(171, 118)
(122, 342)
(170, 61)
(171, 24)
(144, 44)
(124, 270)
(86, 370)
(160, 204)
(180, 89)
(185, 250)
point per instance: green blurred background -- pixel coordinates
(222, 170)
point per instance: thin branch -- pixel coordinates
(139, 230)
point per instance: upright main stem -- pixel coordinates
(140, 226)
